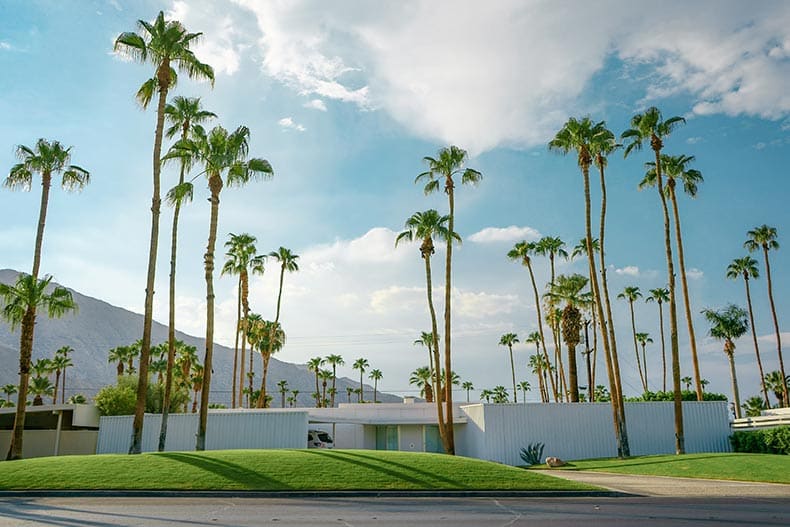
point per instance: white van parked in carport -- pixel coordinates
(319, 439)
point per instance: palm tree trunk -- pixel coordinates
(435, 350)
(594, 355)
(776, 327)
(754, 339)
(680, 447)
(686, 299)
(57, 385)
(215, 184)
(361, 388)
(513, 373)
(262, 397)
(145, 345)
(25, 353)
(334, 380)
(644, 362)
(636, 348)
(234, 384)
(244, 287)
(736, 397)
(63, 388)
(540, 328)
(573, 375)
(587, 354)
(449, 445)
(663, 345)
(46, 184)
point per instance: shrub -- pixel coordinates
(768, 441)
(685, 395)
(532, 454)
(121, 398)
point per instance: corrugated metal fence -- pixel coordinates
(224, 430)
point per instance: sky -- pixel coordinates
(345, 98)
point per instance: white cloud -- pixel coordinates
(288, 123)
(694, 273)
(5, 45)
(315, 104)
(693, 140)
(504, 234)
(628, 270)
(375, 246)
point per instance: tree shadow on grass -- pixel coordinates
(625, 463)
(400, 471)
(249, 479)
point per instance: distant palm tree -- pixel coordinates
(523, 251)
(754, 406)
(651, 127)
(508, 339)
(272, 340)
(467, 386)
(449, 163)
(746, 267)
(335, 361)
(632, 294)
(361, 364)
(568, 289)
(539, 364)
(764, 237)
(60, 362)
(554, 247)
(20, 302)
(524, 387)
(41, 386)
(421, 377)
(324, 375)
(9, 390)
(486, 394)
(774, 383)
(314, 365)
(376, 375)
(687, 382)
(349, 391)
(282, 386)
(165, 44)
(644, 339)
(500, 395)
(729, 324)
(659, 296)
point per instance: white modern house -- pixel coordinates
(494, 432)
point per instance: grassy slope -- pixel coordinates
(273, 470)
(739, 467)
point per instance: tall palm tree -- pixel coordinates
(508, 339)
(19, 305)
(746, 267)
(425, 226)
(468, 387)
(651, 127)
(314, 365)
(449, 163)
(553, 247)
(631, 294)
(676, 168)
(577, 135)
(764, 237)
(361, 364)
(644, 339)
(324, 375)
(241, 260)
(60, 362)
(334, 361)
(165, 45)
(523, 251)
(219, 152)
(376, 375)
(578, 250)
(568, 289)
(282, 387)
(660, 295)
(421, 377)
(272, 340)
(729, 324)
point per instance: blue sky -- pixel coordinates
(345, 98)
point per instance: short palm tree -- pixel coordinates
(272, 340)
(676, 169)
(522, 252)
(426, 339)
(660, 295)
(650, 126)
(218, 152)
(335, 361)
(41, 386)
(20, 302)
(539, 367)
(631, 294)
(508, 339)
(644, 339)
(764, 237)
(9, 390)
(687, 382)
(164, 44)
(421, 377)
(376, 375)
(499, 394)
(468, 387)
(448, 164)
(729, 324)
(486, 394)
(314, 365)
(746, 267)
(776, 384)
(754, 406)
(360, 364)
(282, 387)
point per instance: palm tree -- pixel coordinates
(118, 354)
(687, 382)
(539, 367)
(449, 163)
(182, 114)
(314, 365)
(746, 267)
(9, 390)
(468, 386)
(553, 247)
(659, 296)
(776, 384)
(282, 386)
(241, 260)
(500, 395)
(644, 339)
(764, 237)
(361, 364)
(376, 376)
(165, 44)
(60, 362)
(729, 324)
(349, 391)
(426, 226)
(249, 325)
(508, 339)
(272, 340)
(632, 294)
(578, 135)
(335, 361)
(522, 251)
(486, 394)
(426, 339)
(42, 368)
(324, 375)
(19, 305)
(754, 406)
(41, 386)
(287, 261)
(421, 377)
(568, 289)
(524, 387)
(218, 151)
(650, 126)
(675, 168)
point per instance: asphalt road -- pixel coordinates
(197, 512)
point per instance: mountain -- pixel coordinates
(98, 327)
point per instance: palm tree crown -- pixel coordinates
(48, 159)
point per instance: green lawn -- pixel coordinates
(740, 467)
(280, 470)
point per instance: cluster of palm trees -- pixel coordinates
(325, 395)
(41, 384)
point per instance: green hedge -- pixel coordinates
(768, 441)
(686, 395)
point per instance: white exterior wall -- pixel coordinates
(497, 432)
(224, 430)
(410, 438)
